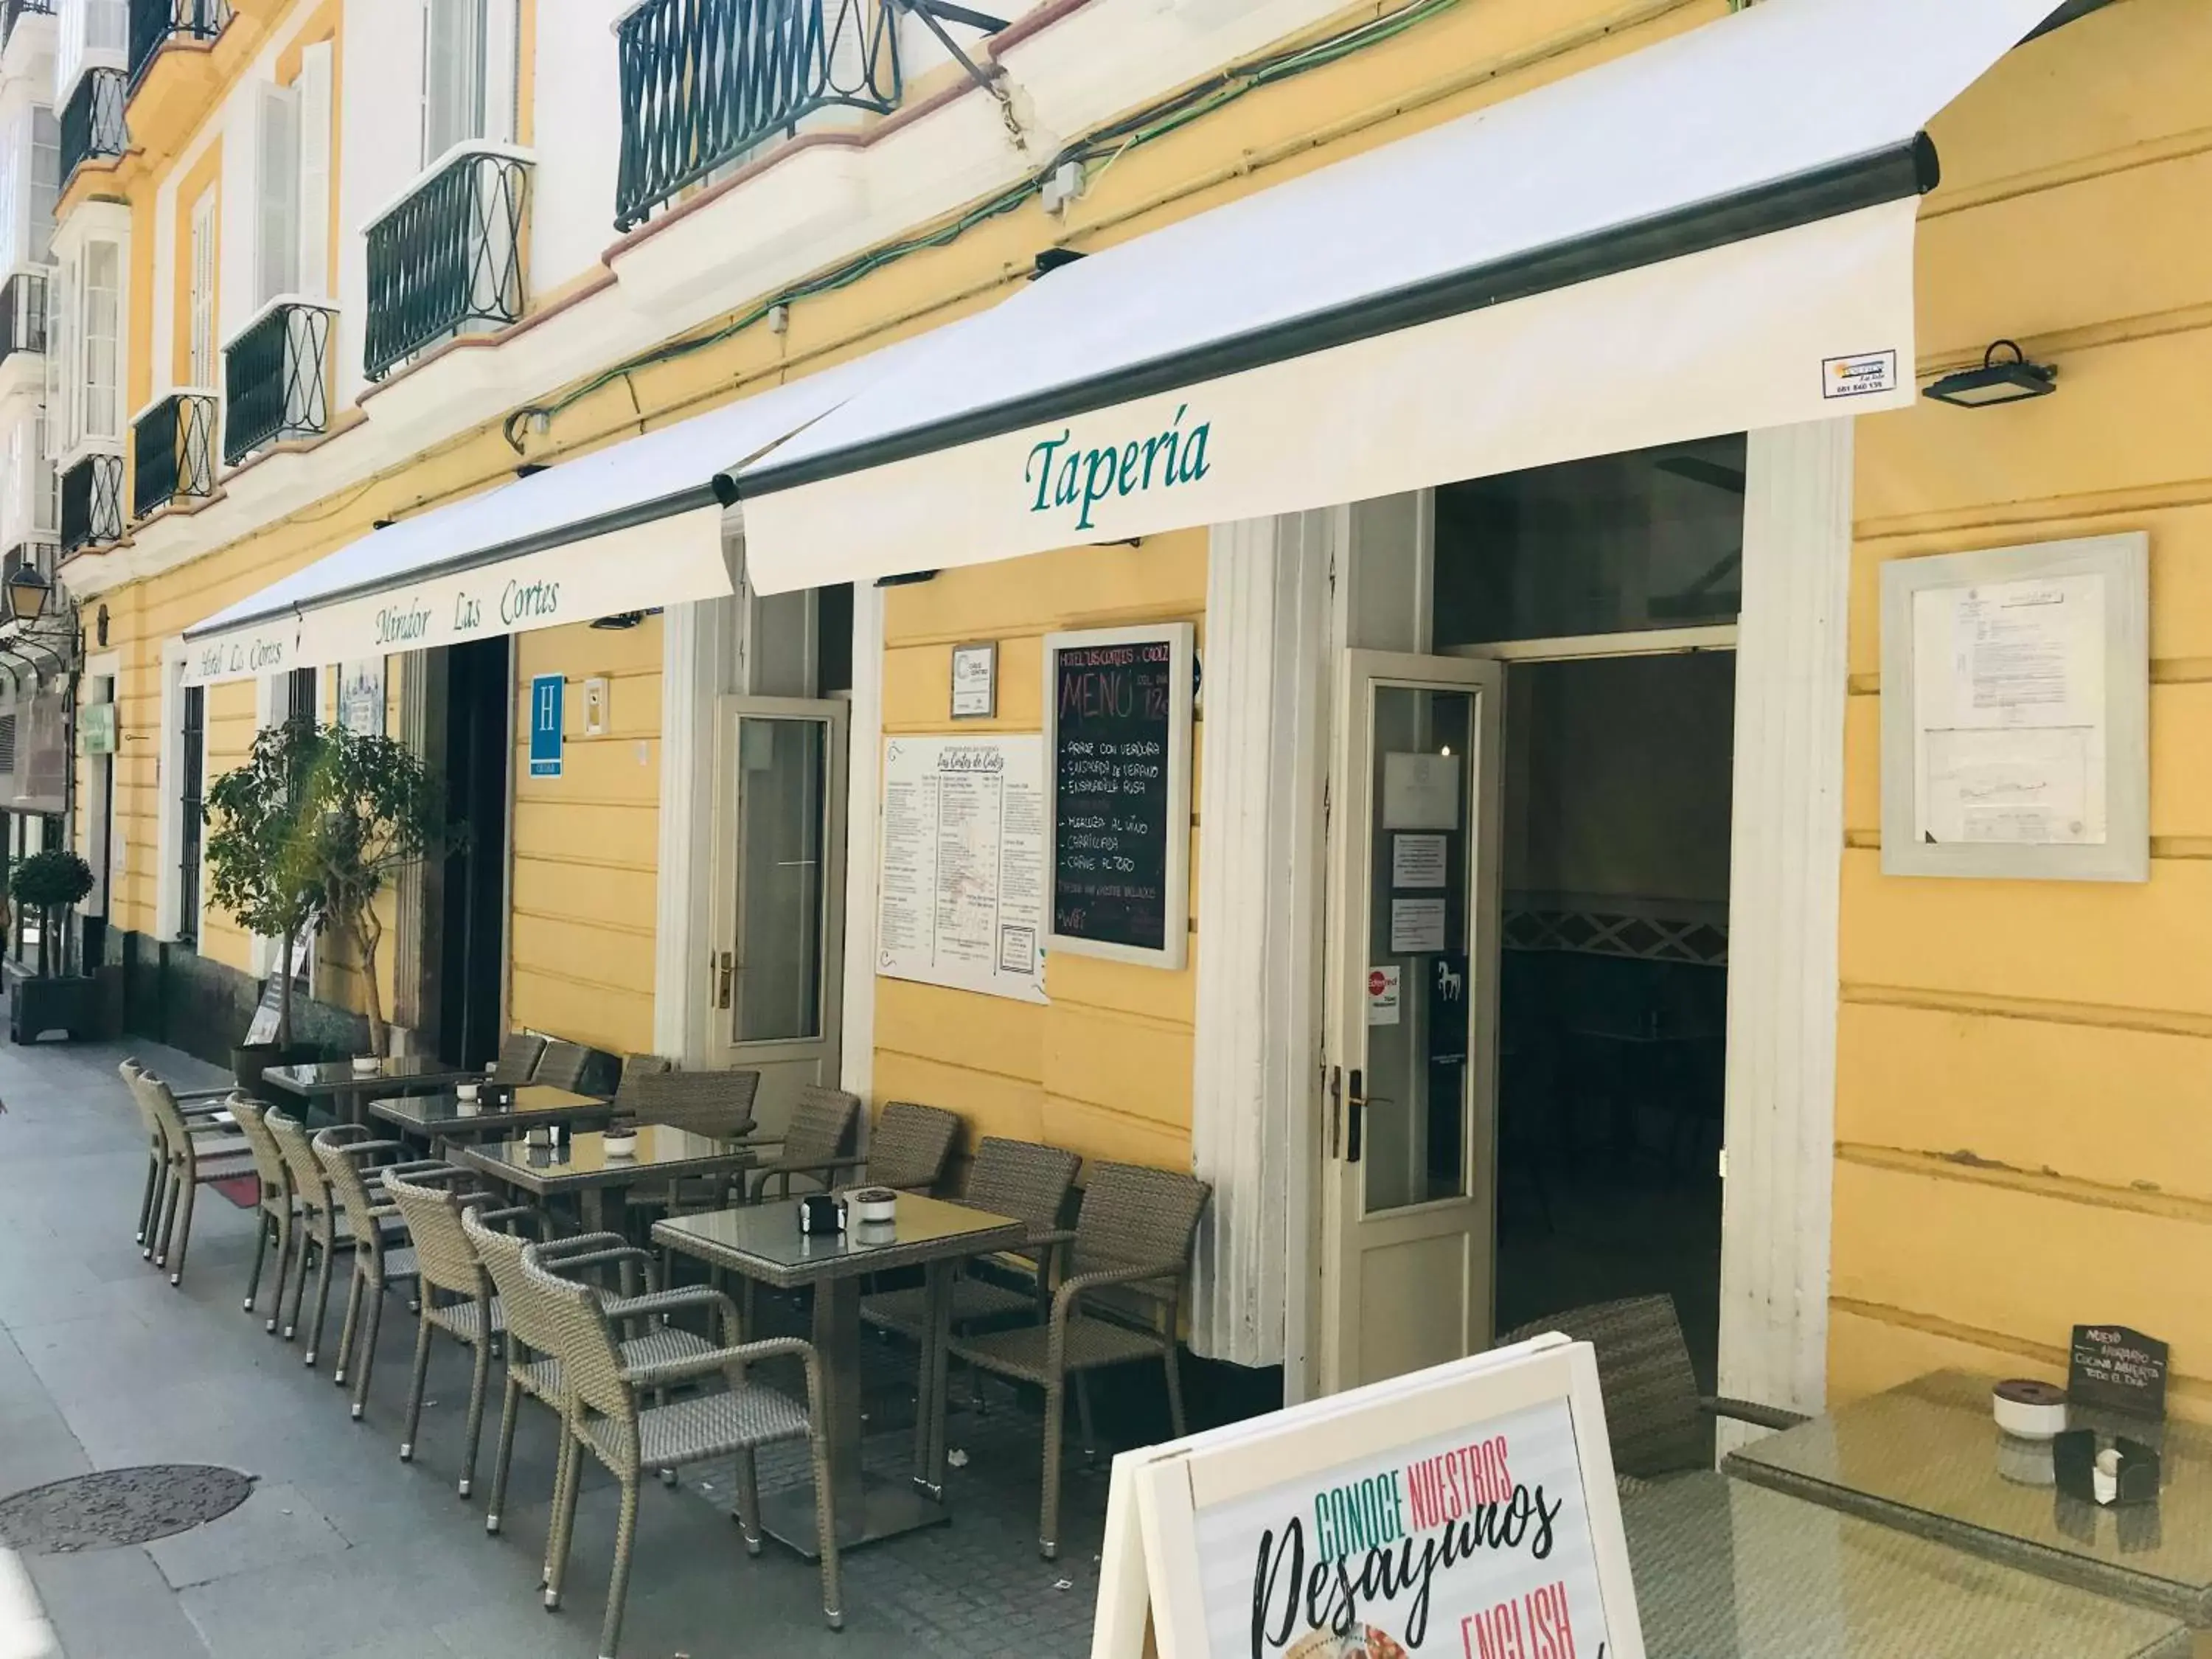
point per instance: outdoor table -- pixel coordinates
(445, 1116)
(762, 1242)
(579, 1163)
(336, 1080)
(1926, 1458)
(1726, 1570)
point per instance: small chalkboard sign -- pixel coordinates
(2112, 1368)
(267, 1013)
(1118, 718)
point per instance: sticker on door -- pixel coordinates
(1382, 996)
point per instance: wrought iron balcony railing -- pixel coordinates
(13, 12)
(446, 257)
(172, 449)
(155, 23)
(704, 81)
(92, 503)
(92, 121)
(275, 378)
(23, 313)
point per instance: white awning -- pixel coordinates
(633, 526)
(1713, 235)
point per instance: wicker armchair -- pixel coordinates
(603, 1412)
(318, 1225)
(517, 1059)
(195, 1152)
(1134, 1231)
(561, 1066)
(275, 1207)
(1017, 1178)
(533, 1365)
(815, 1144)
(911, 1146)
(635, 1067)
(1654, 1415)
(381, 1254)
(192, 1104)
(716, 1103)
(457, 1300)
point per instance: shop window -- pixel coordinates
(1619, 544)
(190, 783)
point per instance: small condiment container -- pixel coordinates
(873, 1203)
(364, 1064)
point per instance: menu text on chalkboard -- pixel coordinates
(1119, 756)
(2113, 1368)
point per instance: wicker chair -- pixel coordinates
(911, 1146)
(814, 1145)
(274, 1212)
(636, 1067)
(517, 1059)
(716, 1103)
(603, 1412)
(318, 1225)
(1654, 1415)
(1017, 1178)
(533, 1367)
(1134, 1231)
(561, 1066)
(196, 1152)
(381, 1254)
(192, 1104)
(456, 1299)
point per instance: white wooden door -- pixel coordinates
(775, 983)
(1409, 1116)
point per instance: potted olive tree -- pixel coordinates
(373, 810)
(50, 884)
(261, 866)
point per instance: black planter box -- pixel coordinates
(69, 1004)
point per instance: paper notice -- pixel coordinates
(1418, 860)
(2009, 712)
(1420, 791)
(1416, 925)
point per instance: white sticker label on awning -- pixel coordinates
(1863, 376)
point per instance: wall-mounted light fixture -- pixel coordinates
(906, 579)
(1996, 382)
(28, 591)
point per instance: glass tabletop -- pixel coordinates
(762, 1241)
(1728, 1570)
(339, 1076)
(1927, 1454)
(582, 1159)
(443, 1111)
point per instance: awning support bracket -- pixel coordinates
(936, 14)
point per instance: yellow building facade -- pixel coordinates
(2003, 1121)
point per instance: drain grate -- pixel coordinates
(119, 1506)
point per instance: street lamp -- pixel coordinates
(28, 590)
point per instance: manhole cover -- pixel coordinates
(119, 1506)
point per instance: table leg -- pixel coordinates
(867, 1509)
(592, 1207)
(929, 1418)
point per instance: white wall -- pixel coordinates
(379, 142)
(578, 140)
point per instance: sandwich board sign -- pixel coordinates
(1463, 1512)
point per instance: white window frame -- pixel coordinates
(168, 815)
(311, 179)
(201, 299)
(277, 192)
(87, 340)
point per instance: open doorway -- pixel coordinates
(471, 889)
(1612, 986)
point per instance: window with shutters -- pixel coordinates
(311, 173)
(278, 234)
(45, 483)
(45, 179)
(201, 301)
(454, 36)
(61, 362)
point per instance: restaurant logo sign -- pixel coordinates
(1065, 471)
(1474, 1545)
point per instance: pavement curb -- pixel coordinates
(24, 1633)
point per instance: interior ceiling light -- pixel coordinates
(1996, 382)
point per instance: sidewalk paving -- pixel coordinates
(345, 1552)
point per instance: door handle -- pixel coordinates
(1356, 1123)
(722, 983)
(1335, 1106)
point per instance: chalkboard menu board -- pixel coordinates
(1118, 713)
(2115, 1367)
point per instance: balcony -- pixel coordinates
(704, 81)
(173, 445)
(155, 23)
(275, 378)
(92, 122)
(92, 503)
(446, 257)
(13, 12)
(23, 313)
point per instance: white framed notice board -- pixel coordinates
(1469, 1509)
(1118, 703)
(2015, 712)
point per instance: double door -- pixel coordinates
(1408, 1119)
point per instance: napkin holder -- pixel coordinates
(2126, 1472)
